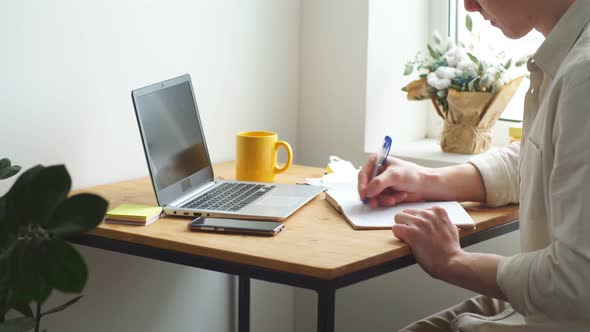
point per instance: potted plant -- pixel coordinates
(36, 215)
(468, 92)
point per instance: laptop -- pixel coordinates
(180, 168)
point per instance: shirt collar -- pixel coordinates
(562, 38)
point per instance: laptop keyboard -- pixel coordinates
(228, 196)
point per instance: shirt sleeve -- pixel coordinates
(499, 171)
(554, 281)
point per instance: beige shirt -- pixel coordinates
(549, 174)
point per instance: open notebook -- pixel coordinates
(360, 216)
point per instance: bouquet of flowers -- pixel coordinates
(468, 92)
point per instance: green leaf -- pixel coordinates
(471, 86)
(77, 214)
(67, 271)
(473, 58)
(8, 232)
(508, 64)
(27, 261)
(6, 172)
(434, 54)
(20, 324)
(5, 162)
(469, 23)
(4, 306)
(62, 307)
(405, 89)
(481, 68)
(49, 188)
(436, 38)
(408, 70)
(18, 206)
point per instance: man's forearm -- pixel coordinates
(454, 183)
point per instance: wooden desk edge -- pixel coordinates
(273, 264)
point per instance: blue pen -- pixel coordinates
(381, 158)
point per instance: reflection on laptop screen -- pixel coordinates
(173, 136)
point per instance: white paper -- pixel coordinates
(363, 216)
(344, 175)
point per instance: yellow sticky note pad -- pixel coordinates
(131, 212)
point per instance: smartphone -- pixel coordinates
(207, 224)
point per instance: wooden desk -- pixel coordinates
(317, 249)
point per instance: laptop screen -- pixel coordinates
(172, 137)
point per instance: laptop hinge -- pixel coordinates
(192, 194)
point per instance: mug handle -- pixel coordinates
(287, 147)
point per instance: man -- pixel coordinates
(547, 286)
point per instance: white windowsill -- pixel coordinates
(427, 152)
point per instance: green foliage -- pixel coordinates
(408, 70)
(434, 53)
(469, 23)
(7, 169)
(36, 215)
(447, 65)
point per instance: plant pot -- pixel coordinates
(470, 117)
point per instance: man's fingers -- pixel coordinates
(364, 175)
(413, 212)
(404, 218)
(393, 198)
(403, 232)
(376, 185)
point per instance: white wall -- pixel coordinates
(333, 57)
(397, 31)
(67, 68)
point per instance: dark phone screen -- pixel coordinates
(268, 226)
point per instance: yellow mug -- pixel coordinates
(256, 156)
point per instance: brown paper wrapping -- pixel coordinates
(470, 117)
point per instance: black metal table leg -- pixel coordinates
(326, 309)
(243, 304)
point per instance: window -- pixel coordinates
(399, 29)
(490, 35)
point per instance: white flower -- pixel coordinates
(491, 71)
(437, 82)
(455, 56)
(467, 66)
(446, 72)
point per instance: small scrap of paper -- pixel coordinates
(340, 173)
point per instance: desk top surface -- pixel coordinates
(316, 240)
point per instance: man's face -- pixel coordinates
(510, 16)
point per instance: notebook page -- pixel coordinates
(364, 216)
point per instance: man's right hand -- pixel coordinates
(401, 181)
(398, 181)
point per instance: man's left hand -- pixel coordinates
(434, 240)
